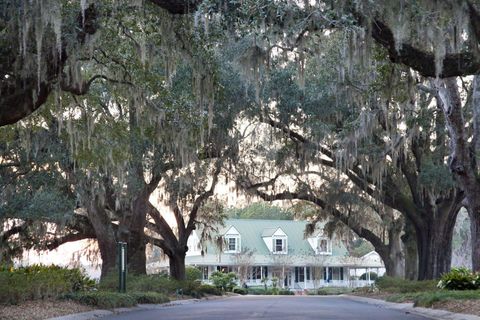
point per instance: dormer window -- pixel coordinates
(279, 245)
(233, 244)
(232, 241)
(324, 246)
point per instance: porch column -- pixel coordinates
(305, 277)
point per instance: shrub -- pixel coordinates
(459, 279)
(330, 291)
(240, 290)
(398, 285)
(192, 274)
(224, 281)
(159, 283)
(104, 299)
(209, 289)
(40, 282)
(149, 297)
(286, 292)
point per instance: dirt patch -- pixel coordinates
(39, 310)
(459, 306)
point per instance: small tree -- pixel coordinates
(244, 261)
(224, 281)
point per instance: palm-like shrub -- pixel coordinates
(460, 279)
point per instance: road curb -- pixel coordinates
(436, 314)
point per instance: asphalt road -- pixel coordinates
(270, 307)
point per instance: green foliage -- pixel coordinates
(269, 291)
(192, 274)
(398, 285)
(330, 291)
(40, 282)
(224, 281)
(240, 290)
(104, 299)
(428, 298)
(460, 279)
(260, 210)
(159, 283)
(149, 297)
(209, 289)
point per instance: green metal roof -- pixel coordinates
(252, 232)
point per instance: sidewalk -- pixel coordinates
(408, 308)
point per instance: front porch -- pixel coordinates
(297, 278)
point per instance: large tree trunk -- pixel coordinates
(177, 264)
(136, 256)
(105, 236)
(434, 241)
(463, 159)
(475, 233)
(409, 240)
(396, 256)
(133, 233)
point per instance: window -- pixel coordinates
(256, 273)
(232, 244)
(279, 245)
(299, 274)
(205, 273)
(324, 246)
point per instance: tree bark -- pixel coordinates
(177, 264)
(434, 240)
(462, 162)
(474, 214)
(105, 236)
(396, 256)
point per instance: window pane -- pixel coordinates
(279, 245)
(232, 244)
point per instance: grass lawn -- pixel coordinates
(424, 294)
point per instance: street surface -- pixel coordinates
(271, 308)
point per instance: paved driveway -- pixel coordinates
(271, 307)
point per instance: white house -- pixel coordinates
(262, 250)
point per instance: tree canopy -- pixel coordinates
(356, 107)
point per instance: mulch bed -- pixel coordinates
(41, 309)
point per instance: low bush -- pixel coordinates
(209, 289)
(398, 285)
(141, 283)
(224, 281)
(330, 291)
(149, 297)
(460, 279)
(40, 282)
(159, 283)
(192, 274)
(103, 299)
(240, 290)
(285, 292)
(259, 291)
(428, 298)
